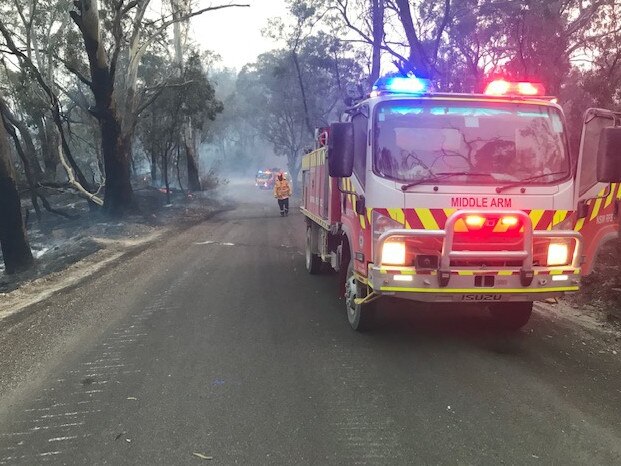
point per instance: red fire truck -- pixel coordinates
(460, 198)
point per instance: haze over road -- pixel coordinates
(218, 342)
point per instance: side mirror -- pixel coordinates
(609, 155)
(341, 150)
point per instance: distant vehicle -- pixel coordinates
(265, 178)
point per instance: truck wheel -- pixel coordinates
(511, 316)
(313, 261)
(360, 316)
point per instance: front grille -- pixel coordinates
(485, 263)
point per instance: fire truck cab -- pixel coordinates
(460, 198)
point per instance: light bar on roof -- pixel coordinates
(400, 85)
(501, 87)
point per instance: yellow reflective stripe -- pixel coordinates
(613, 188)
(399, 272)
(598, 204)
(480, 290)
(397, 215)
(363, 224)
(426, 218)
(406, 271)
(314, 159)
(557, 272)
(465, 272)
(559, 216)
(369, 214)
(579, 224)
(535, 217)
(449, 212)
(505, 273)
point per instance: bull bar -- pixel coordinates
(447, 235)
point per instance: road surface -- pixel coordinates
(216, 346)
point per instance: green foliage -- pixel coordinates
(276, 92)
(189, 97)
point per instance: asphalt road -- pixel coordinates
(217, 343)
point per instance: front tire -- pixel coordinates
(313, 261)
(511, 316)
(360, 316)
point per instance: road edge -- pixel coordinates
(84, 270)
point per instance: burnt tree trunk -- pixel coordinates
(118, 197)
(194, 182)
(15, 249)
(153, 169)
(30, 177)
(30, 151)
(50, 145)
(165, 172)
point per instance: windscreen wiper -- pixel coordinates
(441, 176)
(529, 180)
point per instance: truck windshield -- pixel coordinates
(508, 141)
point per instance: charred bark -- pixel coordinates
(30, 177)
(194, 182)
(15, 249)
(118, 197)
(50, 145)
(153, 168)
(30, 153)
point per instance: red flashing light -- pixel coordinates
(501, 87)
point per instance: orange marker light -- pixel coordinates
(475, 221)
(527, 89)
(509, 221)
(498, 87)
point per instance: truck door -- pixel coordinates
(597, 216)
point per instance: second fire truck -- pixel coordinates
(460, 198)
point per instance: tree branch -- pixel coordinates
(75, 71)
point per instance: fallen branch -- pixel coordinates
(50, 209)
(75, 184)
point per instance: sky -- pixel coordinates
(235, 33)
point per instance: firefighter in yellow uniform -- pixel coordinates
(282, 191)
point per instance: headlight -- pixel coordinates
(558, 254)
(381, 224)
(393, 253)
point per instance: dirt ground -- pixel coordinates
(58, 242)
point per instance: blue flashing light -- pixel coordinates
(401, 85)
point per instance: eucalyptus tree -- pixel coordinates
(190, 96)
(15, 249)
(290, 101)
(131, 32)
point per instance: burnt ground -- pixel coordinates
(600, 296)
(58, 242)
